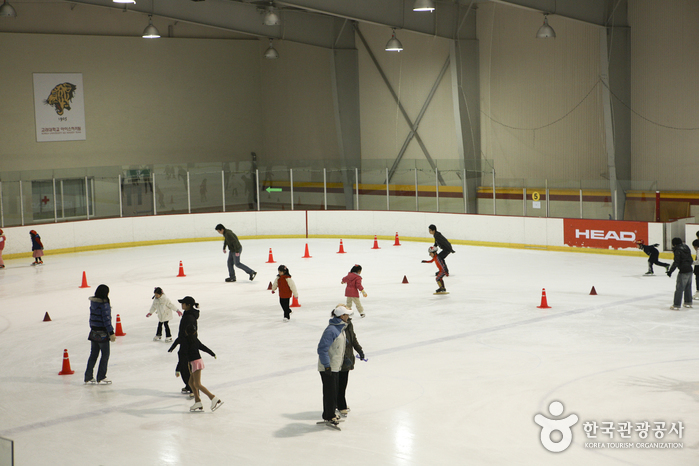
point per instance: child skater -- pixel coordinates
(191, 345)
(2, 246)
(441, 269)
(287, 289)
(653, 254)
(163, 307)
(37, 248)
(354, 286)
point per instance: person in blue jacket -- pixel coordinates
(653, 254)
(101, 333)
(331, 351)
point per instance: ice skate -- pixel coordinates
(196, 407)
(167, 339)
(104, 381)
(675, 308)
(344, 412)
(215, 403)
(91, 382)
(362, 315)
(253, 275)
(688, 305)
(230, 280)
(441, 290)
(156, 338)
(286, 319)
(650, 272)
(331, 422)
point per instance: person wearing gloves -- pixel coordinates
(683, 262)
(287, 289)
(331, 351)
(444, 244)
(354, 285)
(163, 307)
(101, 333)
(231, 241)
(347, 365)
(653, 254)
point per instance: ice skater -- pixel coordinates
(354, 285)
(441, 269)
(37, 248)
(189, 318)
(331, 351)
(163, 307)
(695, 245)
(3, 240)
(231, 241)
(653, 254)
(683, 262)
(190, 346)
(287, 290)
(444, 244)
(347, 365)
(101, 333)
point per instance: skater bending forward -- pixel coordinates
(331, 351)
(653, 254)
(191, 345)
(441, 268)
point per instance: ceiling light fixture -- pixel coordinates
(271, 52)
(271, 17)
(423, 5)
(393, 44)
(546, 31)
(124, 1)
(7, 10)
(150, 32)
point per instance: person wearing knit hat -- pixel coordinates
(37, 248)
(2, 246)
(331, 351)
(101, 333)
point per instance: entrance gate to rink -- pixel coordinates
(7, 452)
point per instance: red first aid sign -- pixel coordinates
(603, 234)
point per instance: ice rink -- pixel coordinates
(450, 380)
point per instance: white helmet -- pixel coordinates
(432, 249)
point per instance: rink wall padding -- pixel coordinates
(464, 229)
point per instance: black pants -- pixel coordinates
(159, 332)
(341, 389)
(443, 255)
(285, 306)
(696, 276)
(183, 369)
(653, 259)
(330, 384)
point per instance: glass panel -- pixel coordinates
(451, 193)
(11, 214)
(275, 189)
(372, 189)
(402, 190)
(42, 201)
(7, 450)
(340, 185)
(105, 197)
(137, 192)
(426, 185)
(308, 190)
(239, 181)
(206, 191)
(170, 191)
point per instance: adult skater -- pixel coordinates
(230, 240)
(101, 333)
(347, 365)
(444, 244)
(331, 351)
(190, 316)
(683, 262)
(695, 245)
(653, 254)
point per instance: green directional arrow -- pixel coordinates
(269, 190)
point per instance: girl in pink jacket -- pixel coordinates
(354, 286)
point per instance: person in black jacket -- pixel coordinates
(444, 244)
(683, 262)
(695, 245)
(653, 254)
(189, 318)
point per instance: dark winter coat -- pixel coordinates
(351, 345)
(189, 347)
(683, 259)
(189, 317)
(442, 242)
(36, 243)
(101, 315)
(651, 249)
(231, 240)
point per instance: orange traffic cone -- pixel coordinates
(84, 284)
(47, 318)
(270, 286)
(181, 273)
(342, 249)
(306, 255)
(592, 291)
(397, 243)
(295, 302)
(271, 258)
(405, 279)
(376, 243)
(119, 332)
(66, 364)
(544, 303)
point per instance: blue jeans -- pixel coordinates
(684, 286)
(104, 360)
(234, 260)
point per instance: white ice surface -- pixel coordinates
(450, 380)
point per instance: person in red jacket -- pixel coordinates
(354, 286)
(287, 289)
(2, 246)
(441, 268)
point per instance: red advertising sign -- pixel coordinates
(603, 234)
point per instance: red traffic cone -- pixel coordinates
(342, 249)
(270, 286)
(181, 273)
(84, 284)
(306, 255)
(66, 364)
(544, 303)
(47, 318)
(295, 302)
(270, 260)
(397, 243)
(405, 279)
(592, 291)
(119, 332)
(376, 243)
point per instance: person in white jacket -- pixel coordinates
(331, 351)
(163, 307)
